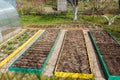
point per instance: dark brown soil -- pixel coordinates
(113, 64)
(102, 37)
(74, 57)
(98, 27)
(110, 51)
(37, 53)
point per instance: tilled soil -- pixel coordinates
(74, 58)
(102, 37)
(97, 27)
(37, 53)
(109, 50)
(113, 64)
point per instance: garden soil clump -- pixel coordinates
(74, 58)
(109, 50)
(37, 53)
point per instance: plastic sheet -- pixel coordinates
(9, 18)
(13, 2)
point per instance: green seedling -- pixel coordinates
(18, 37)
(3, 47)
(16, 42)
(10, 52)
(10, 48)
(5, 52)
(10, 42)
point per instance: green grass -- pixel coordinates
(57, 19)
(45, 19)
(23, 76)
(67, 19)
(63, 19)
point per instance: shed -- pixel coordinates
(62, 5)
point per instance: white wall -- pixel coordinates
(61, 5)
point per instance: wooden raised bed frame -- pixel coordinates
(87, 74)
(3, 62)
(35, 70)
(102, 62)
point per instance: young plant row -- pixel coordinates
(9, 47)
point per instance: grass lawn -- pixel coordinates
(67, 19)
(24, 76)
(60, 19)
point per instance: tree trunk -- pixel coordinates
(109, 23)
(119, 3)
(75, 11)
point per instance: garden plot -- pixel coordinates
(102, 37)
(73, 59)
(9, 47)
(66, 26)
(108, 50)
(35, 57)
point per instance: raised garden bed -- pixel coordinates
(73, 59)
(13, 44)
(67, 26)
(7, 49)
(5, 32)
(35, 57)
(108, 50)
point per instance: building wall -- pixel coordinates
(62, 5)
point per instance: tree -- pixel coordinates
(119, 3)
(99, 6)
(74, 4)
(110, 20)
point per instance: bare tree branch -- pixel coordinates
(73, 2)
(109, 20)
